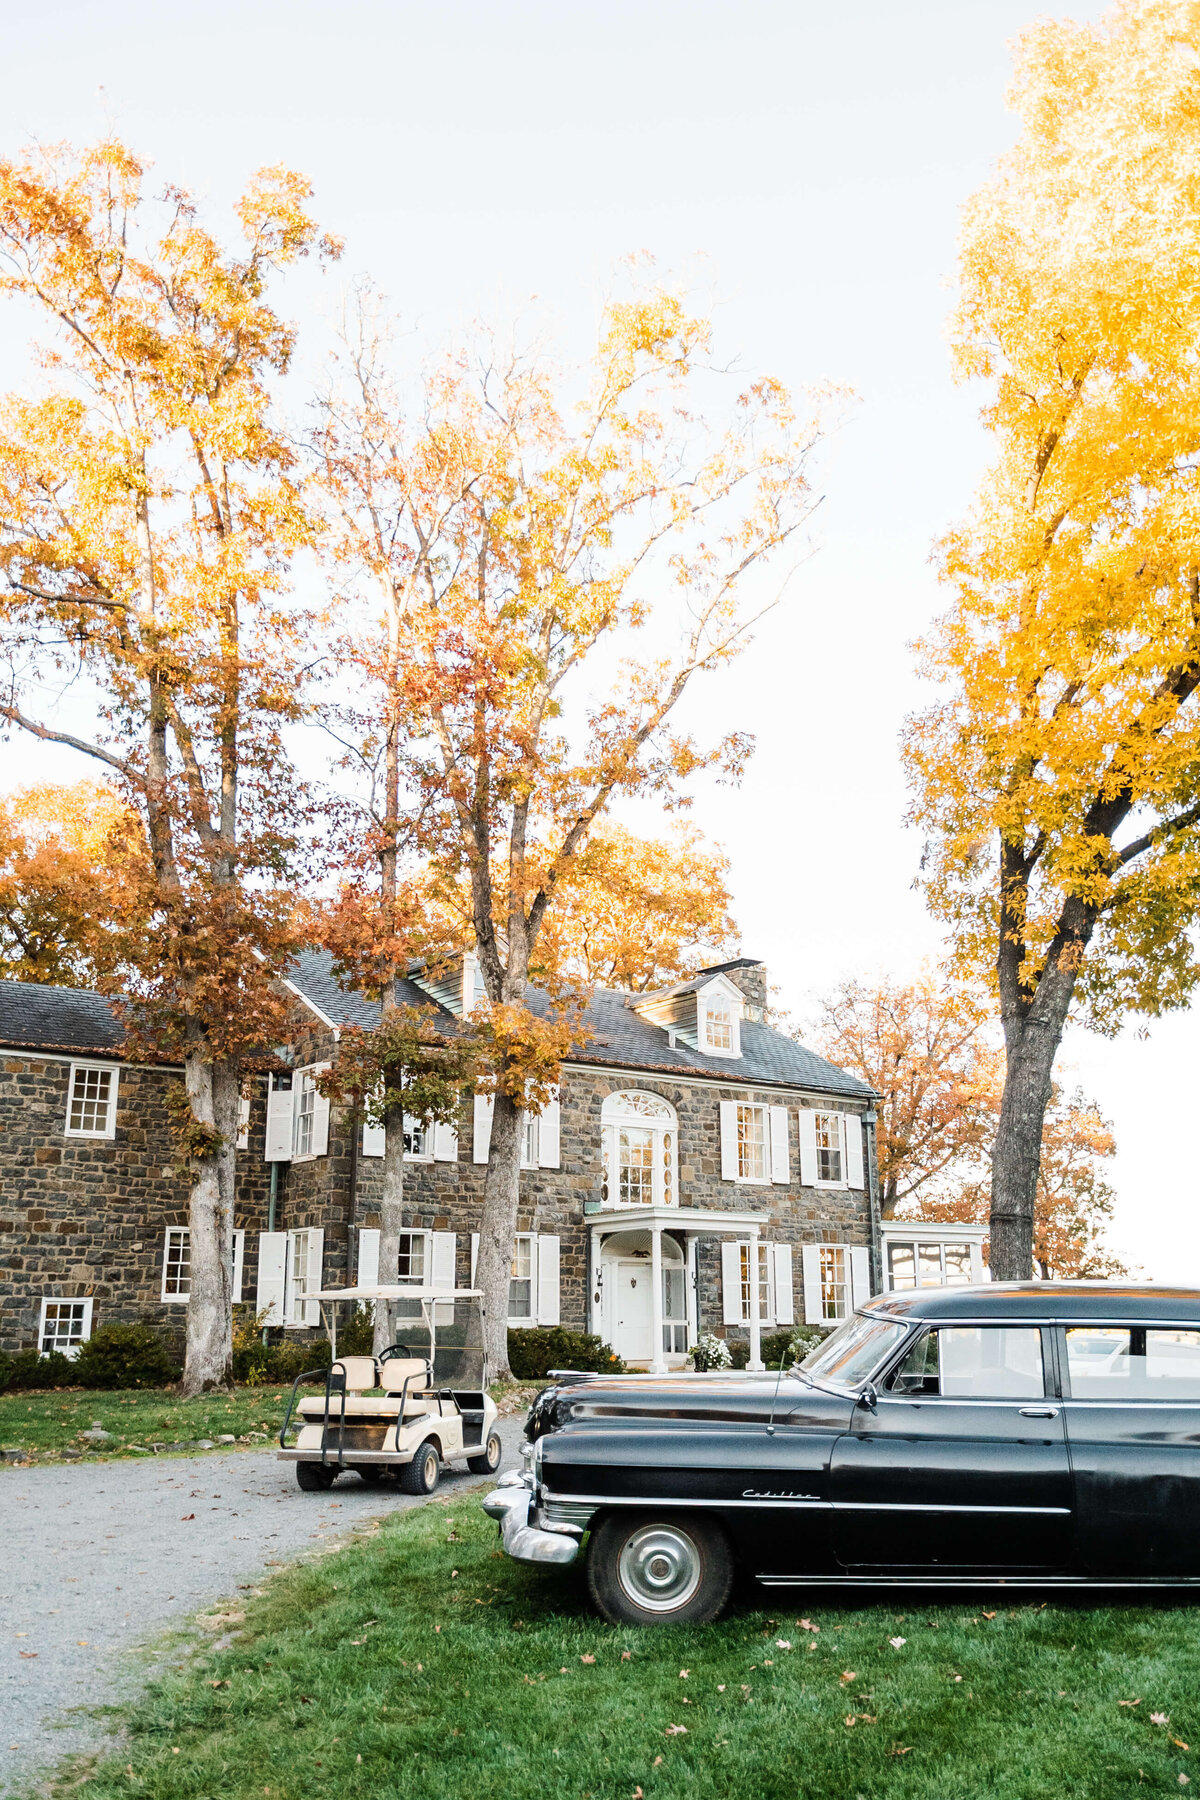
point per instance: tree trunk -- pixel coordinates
(1031, 1044)
(391, 1221)
(497, 1231)
(212, 1090)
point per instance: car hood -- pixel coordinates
(685, 1400)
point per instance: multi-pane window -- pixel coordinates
(411, 1265)
(92, 1102)
(305, 1106)
(529, 1142)
(639, 1150)
(835, 1282)
(298, 1275)
(177, 1263)
(674, 1309)
(918, 1263)
(753, 1144)
(520, 1287)
(830, 1158)
(766, 1289)
(417, 1144)
(718, 1027)
(65, 1324)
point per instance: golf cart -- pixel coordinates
(415, 1407)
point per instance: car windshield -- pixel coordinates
(848, 1354)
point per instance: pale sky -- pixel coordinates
(805, 163)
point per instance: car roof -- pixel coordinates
(1072, 1301)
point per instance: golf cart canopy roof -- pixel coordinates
(396, 1292)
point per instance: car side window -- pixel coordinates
(973, 1362)
(1133, 1362)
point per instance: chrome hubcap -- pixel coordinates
(659, 1567)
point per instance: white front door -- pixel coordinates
(627, 1305)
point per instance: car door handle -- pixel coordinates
(1038, 1412)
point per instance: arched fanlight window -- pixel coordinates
(640, 1133)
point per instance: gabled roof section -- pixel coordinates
(33, 1017)
(312, 978)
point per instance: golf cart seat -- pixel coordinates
(363, 1376)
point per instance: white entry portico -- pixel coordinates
(642, 1295)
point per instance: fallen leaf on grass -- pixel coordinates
(720, 1687)
(1179, 1743)
(782, 1644)
(989, 1615)
(674, 1730)
(807, 1625)
(637, 1794)
(683, 1674)
(897, 1643)
(657, 1760)
(1160, 1718)
(1136, 1702)
(627, 1656)
(1182, 1780)
(849, 1675)
(899, 1749)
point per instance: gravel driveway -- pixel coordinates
(96, 1558)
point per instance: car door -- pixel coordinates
(1131, 1404)
(960, 1465)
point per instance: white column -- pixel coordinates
(756, 1362)
(657, 1364)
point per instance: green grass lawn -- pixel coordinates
(422, 1663)
(45, 1424)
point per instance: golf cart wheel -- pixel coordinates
(489, 1460)
(315, 1478)
(371, 1473)
(420, 1476)
(664, 1570)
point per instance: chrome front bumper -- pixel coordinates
(510, 1504)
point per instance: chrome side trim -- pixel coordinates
(553, 1501)
(976, 1581)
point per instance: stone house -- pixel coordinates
(694, 1160)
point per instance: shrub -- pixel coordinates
(532, 1354)
(26, 1369)
(125, 1356)
(788, 1347)
(710, 1353)
(357, 1336)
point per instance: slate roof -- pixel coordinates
(33, 1017)
(616, 1037)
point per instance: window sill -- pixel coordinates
(176, 1299)
(753, 1181)
(92, 1137)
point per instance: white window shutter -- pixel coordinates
(852, 1126)
(548, 1138)
(368, 1258)
(239, 1258)
(547, 1279)
(731, 1278)
(243, 1133)
(272, 1269)
(320, 1128)
(374, 1139)
(785, 1308)
(780, 1163)
(729, 1145)
(445, 1142)
(806, 1120)
(860, 1274)
(810, 1257)
(484, 1106)
(444, 1249)
(474, 1254)
(169, 1235)
(279, 1125)
(310, 1311)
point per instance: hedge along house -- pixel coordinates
(698, 1171)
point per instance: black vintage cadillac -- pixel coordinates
(1033, 1435)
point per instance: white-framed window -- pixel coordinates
(92, 1100)
(831, 1149)
(718, 1020)
(674, 1306)
(916, 1262)
(639, 1133)
(835, 1282)
(64, 1326)
(766, 1282)
(304, 1113)
(520, 1287)
(418, 1140)
(243, 1130)
(177, 1265)
(529, 1142)
(753, 1143)
(305, 1251)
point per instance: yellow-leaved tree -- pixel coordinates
(1058, 781)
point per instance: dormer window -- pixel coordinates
(718, 1028)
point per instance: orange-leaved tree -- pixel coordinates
(923, 1046)
(149, 516)
(1058, 782)
(512, 533)
(73, 883)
